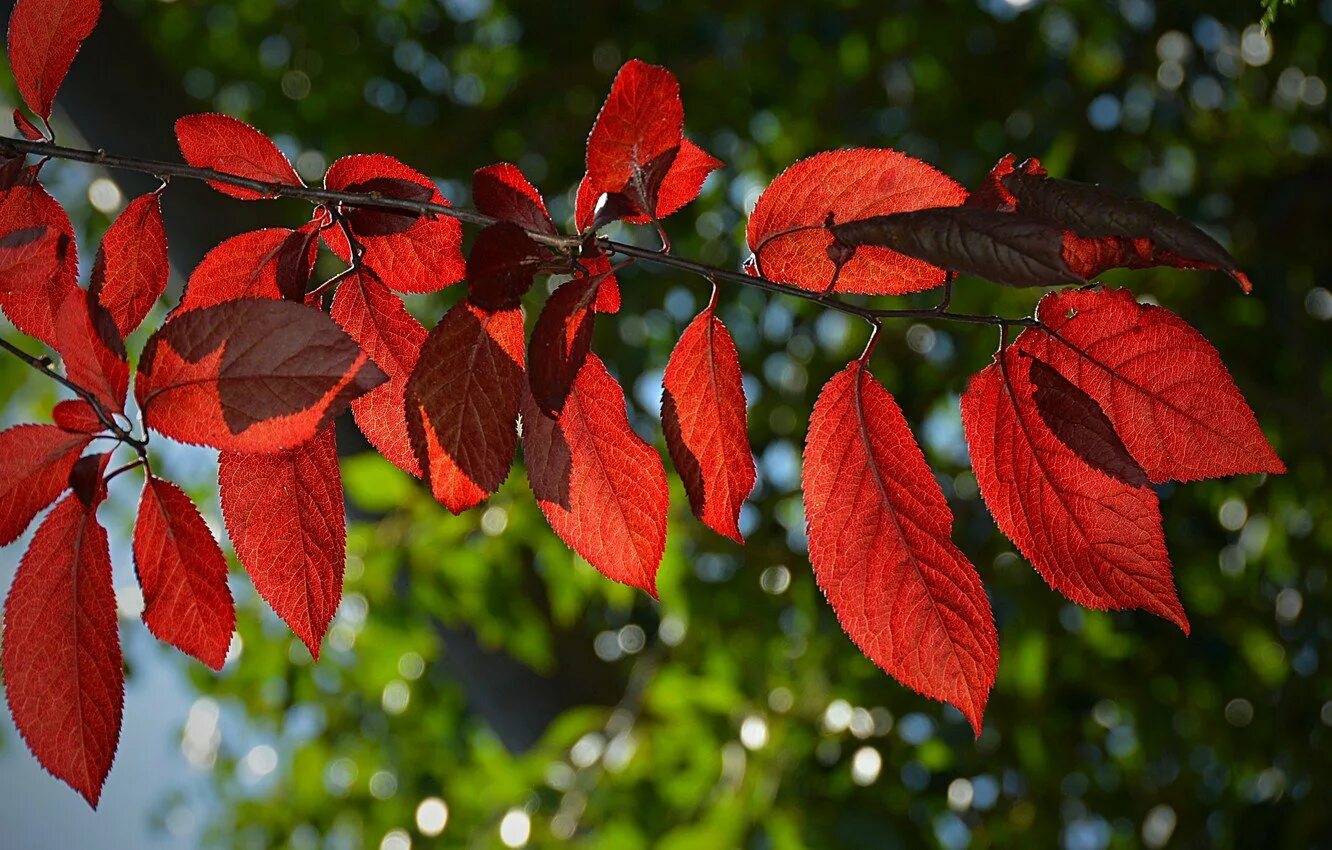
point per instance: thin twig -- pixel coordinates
(103, 415)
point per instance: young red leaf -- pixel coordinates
(1009, 249)
(560, 341)
(410, 253)
(26, 128)
(272, 263)
(35, 462)
(1160, 382)
(603, 490)
(1080, 423)
(134, 252)
(682, 183)
(642, 119)
(840, 186)
(250, 375)
(285, 514)
(33, 306)
(92, 350)
(392, 337)
(880, 542)
(502, 265)
(1092, 537)
(186, 601)
(502, 191)
(44, 37)
(462, 403)
(77, 416)
(231, 146)
(62, 663)
(703, 416)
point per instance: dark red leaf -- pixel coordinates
(286, 517)
(270, 263)
(250, 375)
(1105, 230)
(462, 403)
(33, 307)
(186, 600)
(642, 119)
(502, 191)
(26, 128)
(392, 337)
(503, 263)
(88, 478)
(410, 253)
(1092, 537)
(1080, 423)
(77, 416)
(35, 462)
(92, 350)
(560, 341)
(1001, 247)
(226, 144)
(1159, 381)
(880, 542)
(840, 186)
(44, 37)
(62, 663)
(603, 490)
(134, 252)
(703, 416)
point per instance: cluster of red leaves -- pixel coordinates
(1068, 428)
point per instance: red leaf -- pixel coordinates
(88, 478)
(273, 263)
(682, 183)
(35, 462)
(136, 269)
(502, 265)
(33, 307)
(1161, 383)
(502, 191)
(44, 36)
(183, 574)
(77, 416)
(603, 490)
(560, 341)
(880, 542)
(231, 146)
(846, 185)
(642, 119)
(1092, 537)
(392, 338)
(410, 253)
(250, 375)
(26, 128)
(462, 403)
(285, 514)
(703, 416)
(92, 350)
(62, 662)
(26, 256)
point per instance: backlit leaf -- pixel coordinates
(880, 542)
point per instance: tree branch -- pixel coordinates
(375, 200)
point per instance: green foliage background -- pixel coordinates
(1103, 730)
